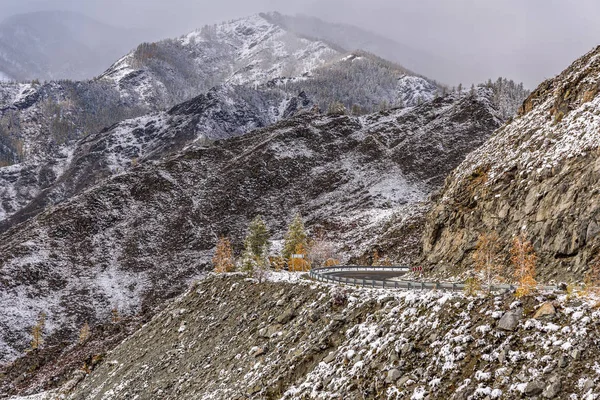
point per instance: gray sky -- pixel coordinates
(525, 40)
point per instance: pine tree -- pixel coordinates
(296, 235)
(257, 240)
(256, 247)
(486, 257)
(37, 332)
(84, 333)
(524, 261)
(223, 261)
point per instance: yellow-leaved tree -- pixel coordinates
(37, 332)
(298, 261)
(488, 267)
(524, 261)
(84, 333)
(223, 259)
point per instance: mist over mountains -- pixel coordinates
(50, 45)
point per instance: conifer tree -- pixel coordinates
(223, 259)
(257, 240)
(296, 235)
(37, 332)
(256, 246)
(524, 261)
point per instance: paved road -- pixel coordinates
(390, 278)
(378, 275)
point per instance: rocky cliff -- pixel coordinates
(540, 173)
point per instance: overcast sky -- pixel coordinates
(525, 40)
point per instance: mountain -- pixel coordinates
(136, 238)
(226, 111)
(245, 51)
(41, 124)
(50, 45)
(539, 174)
(352, 38)
(36, 119)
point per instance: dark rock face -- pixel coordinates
(540, 173)
(137, 238)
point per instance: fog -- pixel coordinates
(526, 41)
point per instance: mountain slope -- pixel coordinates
(246, 51)
(232, 338)
(60, 45)
(138, 237)
(223, 112)
(353, 38)
(540, 173)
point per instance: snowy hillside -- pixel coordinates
(223, 112)
(539, 173)
(364, 83)
(246, 51)
(289, 338)
(137, 238)
(353, 38)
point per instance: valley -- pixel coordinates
(158, 220)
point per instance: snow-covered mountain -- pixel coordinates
(138, 237)
(227, 111)
(540, 174)
(60, 45)
(246, 51)
(353, 38)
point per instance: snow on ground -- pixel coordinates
(50, 395)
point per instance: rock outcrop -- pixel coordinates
(540, 174)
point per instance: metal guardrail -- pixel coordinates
(322, 275)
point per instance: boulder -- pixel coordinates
(534, 388)
(552, 391)
(510, 320)
(287, 316)
(546, 311)
(393, 375)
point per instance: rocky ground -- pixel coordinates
(230, 337)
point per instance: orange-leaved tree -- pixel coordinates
(37, 332)
(298, 261)
(487, 264)
(375, 262)
(524, 261)
(592, 278)
(223, 259)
